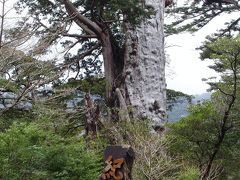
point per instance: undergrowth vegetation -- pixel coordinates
(34, 145)
(37, 144)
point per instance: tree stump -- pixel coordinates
(118, 162)
(92, 116)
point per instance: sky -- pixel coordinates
(184, 71)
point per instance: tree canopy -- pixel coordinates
(55, 21)
(194, 15)
(211, 131)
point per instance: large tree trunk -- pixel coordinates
(138, 75)
(144, 66)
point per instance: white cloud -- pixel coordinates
(184, 59)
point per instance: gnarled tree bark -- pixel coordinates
(144, 66)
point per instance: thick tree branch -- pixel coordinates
(89, 26)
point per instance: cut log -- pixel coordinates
(118, 162)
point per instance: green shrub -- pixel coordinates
(189, 173)
(29, 152)
(7, 117)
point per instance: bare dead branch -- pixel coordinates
(79, 36)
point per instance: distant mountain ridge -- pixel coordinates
(179, 109)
